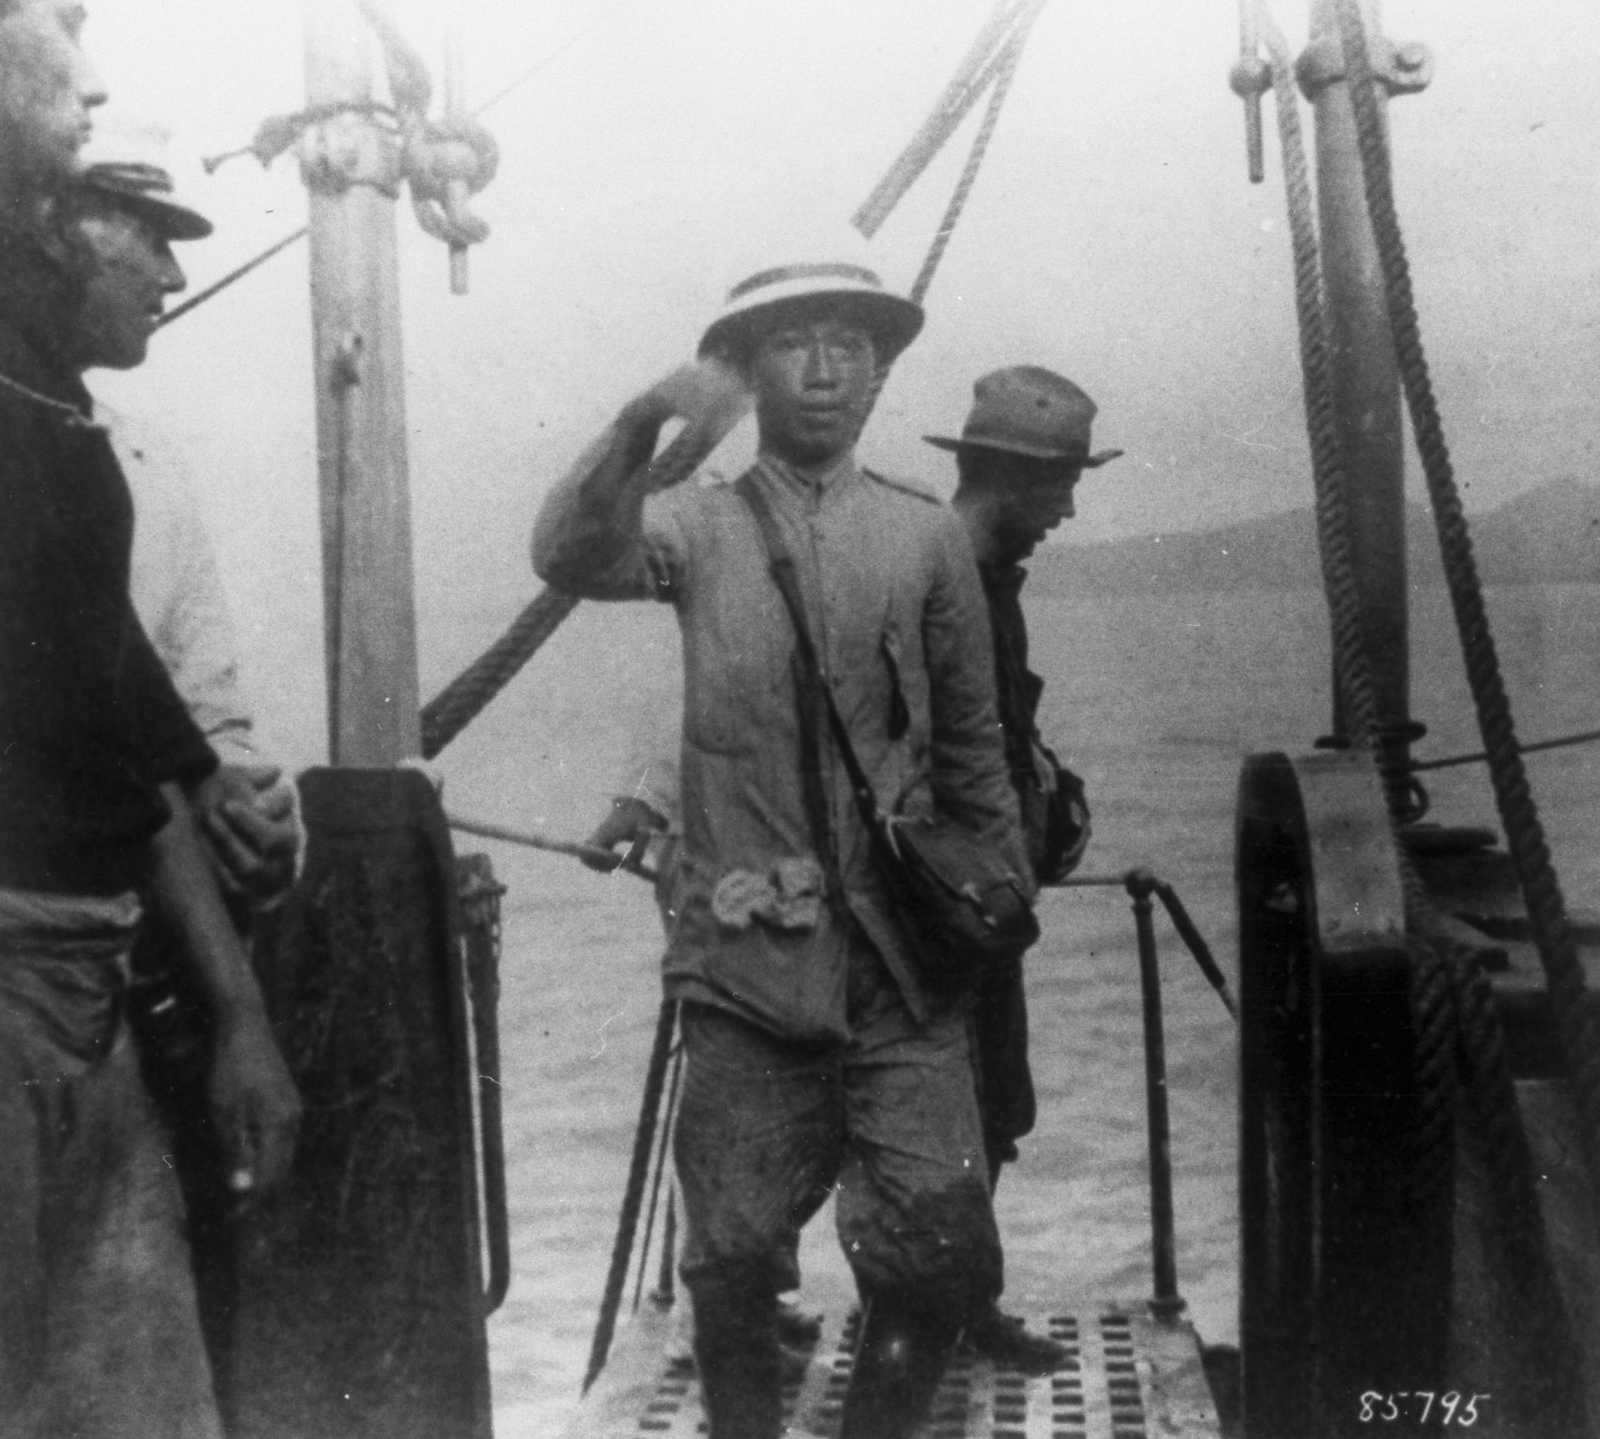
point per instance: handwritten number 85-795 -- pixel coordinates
(1422, 1405)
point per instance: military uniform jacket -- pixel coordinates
(898, 618)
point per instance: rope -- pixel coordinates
(1005, 72)
(633, 1197)
(972, 77)
(1431, 999)
(1575, 1028)
(71, 416)
(1455, 1021)
(1478, 756)
(459, 702)
(551, 57)
(232, 277)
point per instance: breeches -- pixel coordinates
(887, 1121)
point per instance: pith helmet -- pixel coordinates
(755, 303)
(127, 161)
(1027, 410)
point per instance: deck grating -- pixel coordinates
(1105, 1389)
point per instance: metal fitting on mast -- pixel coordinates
(1250, 79)
(1401, 69)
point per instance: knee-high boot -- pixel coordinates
(736, 1348)
(900, 1359)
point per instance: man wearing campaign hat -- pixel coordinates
(1020, 455)
(818, 1056)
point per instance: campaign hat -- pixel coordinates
(1030, 411)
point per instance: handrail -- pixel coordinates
(1139, 881)
(592, 855)
(1166, 1303)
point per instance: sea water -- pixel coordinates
(1155, 701)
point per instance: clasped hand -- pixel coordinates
(247, 815)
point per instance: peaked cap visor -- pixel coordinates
(147, 190)
(754, 305)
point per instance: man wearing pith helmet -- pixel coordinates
(818, 1056)
(1019, 456)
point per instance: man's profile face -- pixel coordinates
(133, 271)
(47, 88)
(1035, 496)
(812, 375)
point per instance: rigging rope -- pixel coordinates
(1478, 756)
(1574, 1023)
(973, 76)
(459, 702)
(1352, 669)
(1454, 1015)
(1005, 71)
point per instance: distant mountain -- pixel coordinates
(1551, 533)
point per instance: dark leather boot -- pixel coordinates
(900, 1360)
(736, 1350)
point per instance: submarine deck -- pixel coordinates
(1128, 1376)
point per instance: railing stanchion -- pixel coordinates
(1166, 1304)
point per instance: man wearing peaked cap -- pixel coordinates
(126, 211)
(818, 1054)
(1020, 456)
(99, 1333)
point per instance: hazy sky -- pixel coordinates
(1112, 235)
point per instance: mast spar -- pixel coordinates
(369, 619)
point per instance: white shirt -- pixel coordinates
(177, 589)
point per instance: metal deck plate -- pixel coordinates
(1126, 1377)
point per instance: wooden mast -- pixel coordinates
(369, 616)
